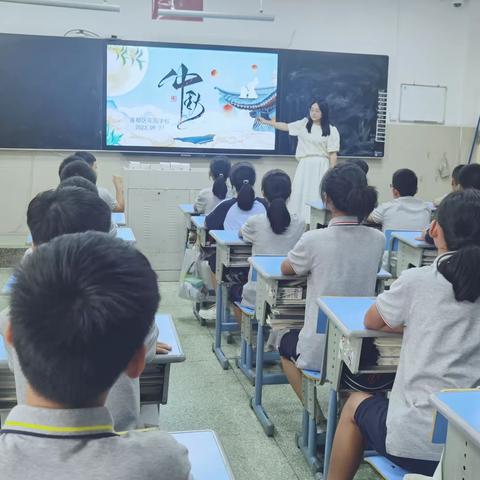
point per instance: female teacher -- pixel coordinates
(318, 144)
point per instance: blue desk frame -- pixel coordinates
(226, 242)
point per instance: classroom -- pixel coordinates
(240, 240)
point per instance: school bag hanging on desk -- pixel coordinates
(194, 281)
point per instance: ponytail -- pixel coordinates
(219, 171)
(459, 217)
(243, 178)
(462, 270)
(246, 196)
(278, 215)
(277, 187)
(347, 188)
(219, 188)
(361, 201)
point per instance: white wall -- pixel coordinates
(428, 42)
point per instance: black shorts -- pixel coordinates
(288, 345)
(371, 418)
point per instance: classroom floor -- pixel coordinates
(203, 396)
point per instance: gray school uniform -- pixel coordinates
(107, 197)
(45, 444)
(206, 201)
(257, 230)
(440, 349)
(342, 259)
(123, 400)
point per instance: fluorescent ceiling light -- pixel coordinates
(261, 17)
(105, 7)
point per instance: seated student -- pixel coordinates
(342, 259)
(405, 212)
(360, 163)
(78, 168)
(273, 233)
(231, 214)
(81, 309)
(117, 204)
(439, 309)
(209, 198)
(71, 210)
(454, 183)
(79, 182)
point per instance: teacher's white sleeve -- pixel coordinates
(296, 128)
(333, 144)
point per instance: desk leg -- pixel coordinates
(256, 402)
(331, 427)
(245, 362)
(220, 316)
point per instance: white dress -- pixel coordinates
(313, 152)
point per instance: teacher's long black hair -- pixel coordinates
(324, 121)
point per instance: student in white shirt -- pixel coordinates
(318, 143)
(438, 309)
(455, 183)
(274, 232)
(342, 259)
(208, 198)
(404, 212)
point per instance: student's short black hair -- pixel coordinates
(456, 173)
(66, 161)
(469, 176)
(66, 210)
(360, 163)
(87, 156)
(78, 168)
(80, 309)
(79, 182)
(405, 181)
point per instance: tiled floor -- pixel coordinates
(203, 396)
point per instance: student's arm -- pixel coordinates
(377, 215)
(287, 268)
(119, 194)
(333, 159)
(276, 125)
(374, 321)
(151, 343)
(299, 260)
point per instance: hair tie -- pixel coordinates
(246, 182)
(221, 175)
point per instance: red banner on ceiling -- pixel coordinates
(196, 5)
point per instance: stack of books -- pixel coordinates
(388, 350)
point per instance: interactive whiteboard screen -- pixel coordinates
(168, 98)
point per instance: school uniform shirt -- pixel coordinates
(79, 444)
(265, 241)
(340, 260)
(403, 213)
(228, 216)
(439, 350)
(206, 201)
(123, 400)
(107, 197)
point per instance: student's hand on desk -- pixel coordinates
(422, 236)
(118, 181)
(162, 348)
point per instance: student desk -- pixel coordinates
(412, 252)
(457, 424)
(271, 285)
(124, 233)
(202, 232)
(188, 212)
(206, 455)
(119, 218)
(7, 288)
(319, 215)
(341, 319)
(232, 256)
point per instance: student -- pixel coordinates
(71, 210)
(360, 163)
(79, 182)
(274, 232)
(117, 204)
(342, 259)
(78, 168)
(233, 213)
(455, 183)
(405, 212)
(209, 198)
(438, 307)
(81, 309)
